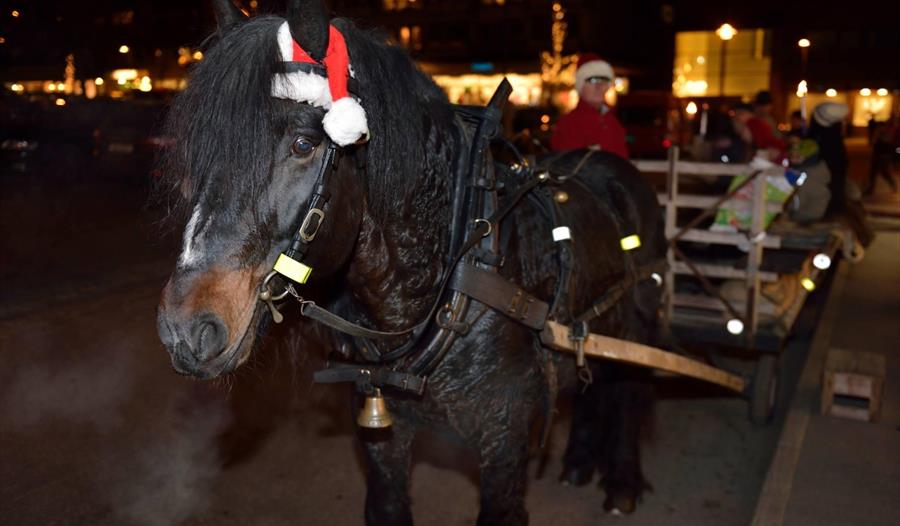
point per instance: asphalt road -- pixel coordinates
(96, 428)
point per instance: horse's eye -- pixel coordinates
(302, 147)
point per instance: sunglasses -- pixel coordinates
(597, 80)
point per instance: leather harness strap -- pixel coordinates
(495, 291)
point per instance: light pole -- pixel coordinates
(725, 32)
(803, 44)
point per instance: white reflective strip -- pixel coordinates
(561, 233)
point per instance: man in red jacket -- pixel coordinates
(592, 123)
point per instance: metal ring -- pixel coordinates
(265, 288)
(488, 223)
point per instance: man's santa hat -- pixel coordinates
(345, 120)
(591, 65)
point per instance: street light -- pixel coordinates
(725, 33)
(803, 44)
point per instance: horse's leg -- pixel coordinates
(628, 399)
(503, 467)
(581, 457)
(388, 462)
(628, 402)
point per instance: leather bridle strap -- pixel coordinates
(315, 212)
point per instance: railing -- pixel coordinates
(756, 238)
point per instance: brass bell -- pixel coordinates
(374, 414)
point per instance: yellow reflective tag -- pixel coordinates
(630, 242)
(808, 284)
(292, 269)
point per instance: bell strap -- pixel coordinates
(376, 376)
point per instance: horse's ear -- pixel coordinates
(308, 20)
(227, 14)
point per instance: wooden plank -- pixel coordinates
(694, 168)
(851, 384)
(671, 224)
(651, 166)
(859, 362)
(721, 271)
(556, 336)
(853, 413)
(732, 170)
(700, 301)
(755, 254)
(706, 201)
(727, 238)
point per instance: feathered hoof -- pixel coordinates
(575, 476)
(620, 504)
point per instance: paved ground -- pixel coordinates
(97, 429)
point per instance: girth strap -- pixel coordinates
(495, 291)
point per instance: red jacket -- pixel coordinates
(584, 126)
(764, 136)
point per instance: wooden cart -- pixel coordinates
(703, 315)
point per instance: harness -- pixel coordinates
(471, 272)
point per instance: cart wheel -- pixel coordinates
(765, 389)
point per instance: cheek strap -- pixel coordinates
(289, 263)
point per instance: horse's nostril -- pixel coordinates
(209, 338)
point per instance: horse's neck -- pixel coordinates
(395, 272)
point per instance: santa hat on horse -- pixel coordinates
(317, 71)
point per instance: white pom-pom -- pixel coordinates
(346, 122)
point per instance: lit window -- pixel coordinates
(404, 36)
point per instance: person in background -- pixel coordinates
(810, 201)
(735, 143)
(798, 124)
(592, 123)
(762, 127)
(826, 129)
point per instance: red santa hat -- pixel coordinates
(591, 65)
(345, 120)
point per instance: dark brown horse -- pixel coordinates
(247, 165)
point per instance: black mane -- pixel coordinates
(222, 123)
(225, 122)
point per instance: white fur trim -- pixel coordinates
(302, 87)
(299, 86)
(285, 42)
(346, 122)
(594, 68)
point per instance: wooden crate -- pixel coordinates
(853, 374)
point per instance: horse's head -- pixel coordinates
(248, 157)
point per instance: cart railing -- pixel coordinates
(755, 238)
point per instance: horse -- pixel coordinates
(246, 164)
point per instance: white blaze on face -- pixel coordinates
(190, 254)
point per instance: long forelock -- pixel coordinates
(224, 123)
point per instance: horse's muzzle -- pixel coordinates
(196, 344)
